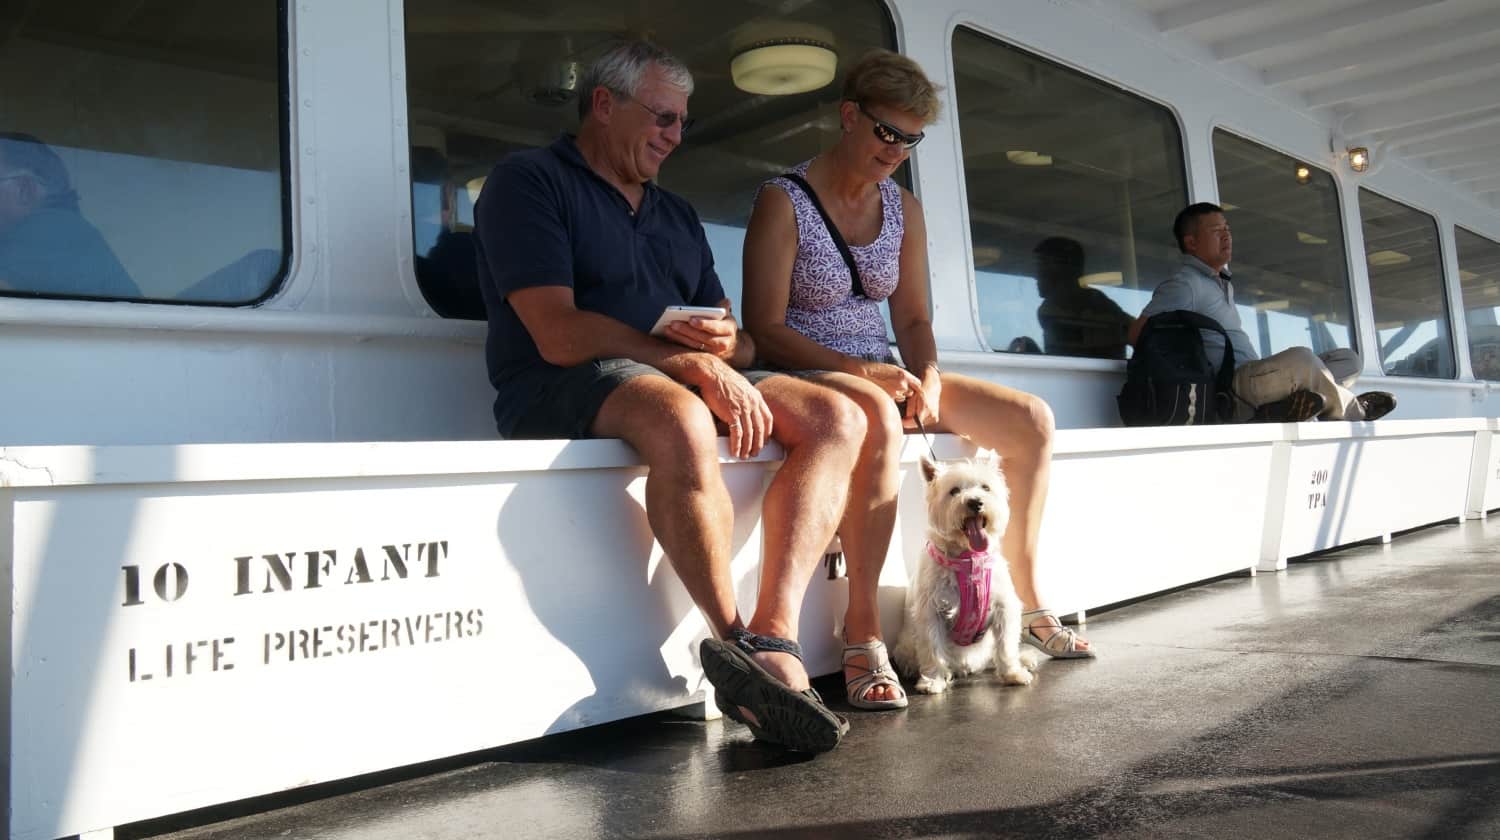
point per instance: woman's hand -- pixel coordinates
(932, 397)
(902, 387)
(895, 380)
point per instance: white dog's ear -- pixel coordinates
(930, 469)
(987, 456)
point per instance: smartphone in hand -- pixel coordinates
(685, 313)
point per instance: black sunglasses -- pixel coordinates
(889, 134)
(664, 119)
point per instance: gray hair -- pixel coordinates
(621, 67)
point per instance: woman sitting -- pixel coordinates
(807, 312)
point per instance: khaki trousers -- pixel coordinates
(1331, 374)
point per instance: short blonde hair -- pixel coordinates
(882, 77)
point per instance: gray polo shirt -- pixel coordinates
(1196, 288)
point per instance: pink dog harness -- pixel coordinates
(972, 572)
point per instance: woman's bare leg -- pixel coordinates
(1018, 426)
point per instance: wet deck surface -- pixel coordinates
(1355, 695)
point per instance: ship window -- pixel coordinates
(141, 152)
(489, 78)
(1072, 186)
(1479, 276)
(1406, 288)
(1291, 271)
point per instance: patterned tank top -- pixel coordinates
(822, 305)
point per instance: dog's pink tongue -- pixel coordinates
(978, 539)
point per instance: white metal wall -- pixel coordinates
(349, 351)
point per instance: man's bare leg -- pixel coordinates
(687, 502)
(821, 431)
(691, 513)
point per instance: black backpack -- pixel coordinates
(1169, 382)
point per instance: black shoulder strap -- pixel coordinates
(857, 287)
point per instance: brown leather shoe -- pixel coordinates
(1293, 408)
(1376, 404)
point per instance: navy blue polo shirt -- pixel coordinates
(545, 218)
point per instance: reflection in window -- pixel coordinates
(1479, 275)
(141, 151)
(1072, 188)
(1291, 275)
(1406, 288)
(489, 78)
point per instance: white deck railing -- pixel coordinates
(193, 625)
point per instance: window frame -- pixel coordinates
(893, 29)
(985, 31)
(284, 152)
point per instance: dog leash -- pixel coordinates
(925, 439)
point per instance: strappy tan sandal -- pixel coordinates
(877, 672)
(1062, 644)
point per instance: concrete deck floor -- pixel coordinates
(1355, 695)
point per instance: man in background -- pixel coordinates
(1293, 385)
(46, 246)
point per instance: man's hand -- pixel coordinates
(718, 336)
(739, 406)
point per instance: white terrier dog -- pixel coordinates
(962, 612)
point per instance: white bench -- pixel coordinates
(193, 625)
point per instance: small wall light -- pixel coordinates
(1304, 173)
(1359, 158)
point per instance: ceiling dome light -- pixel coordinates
(1303, 173)
(783, 66)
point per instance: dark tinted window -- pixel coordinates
(1479, 275)
(1072, 186)
(1291, 273)
(1406, 288)
(488, 77)
(141, 155)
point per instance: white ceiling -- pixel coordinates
(1417, 80)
